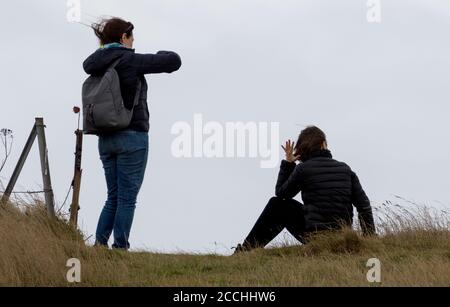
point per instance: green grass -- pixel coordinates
(34, 251)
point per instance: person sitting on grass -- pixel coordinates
(329, 190)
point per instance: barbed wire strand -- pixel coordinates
(26, 192)
(44, 191)
(65, 200)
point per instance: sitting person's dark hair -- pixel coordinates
(329, 190)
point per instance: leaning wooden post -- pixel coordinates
(19, 166)
(76, 180)
(43, 152)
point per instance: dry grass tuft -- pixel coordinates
(414, 249)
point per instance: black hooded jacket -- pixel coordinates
(329, 190)
(131, 68)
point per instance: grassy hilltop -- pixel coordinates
(34, 251)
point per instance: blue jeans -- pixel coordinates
(124, 156)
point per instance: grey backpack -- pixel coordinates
(103, 107)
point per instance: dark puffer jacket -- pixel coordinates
(132, 67)
(329, 188)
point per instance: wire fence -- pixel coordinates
(59, 210)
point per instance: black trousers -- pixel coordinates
(278, 214)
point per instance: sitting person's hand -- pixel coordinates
(291, 156)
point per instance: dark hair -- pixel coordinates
(309, 141)
(111, 30)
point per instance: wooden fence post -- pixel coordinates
(45, 169)
(19, 166)
(37, 131)
(76, 180)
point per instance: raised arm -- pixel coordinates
(362, 204)
(290, 175)
(289, 182)
(161, 62)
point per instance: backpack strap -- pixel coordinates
(139, 84)
(115, 63)
(138, 93)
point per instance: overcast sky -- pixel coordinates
(380, 92)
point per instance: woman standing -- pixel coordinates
(124, 153)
